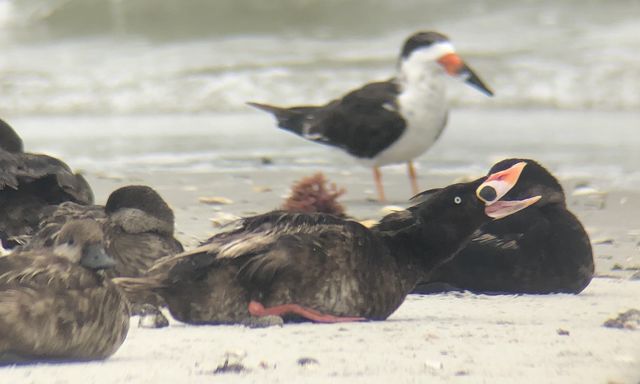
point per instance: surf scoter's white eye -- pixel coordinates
(457, 200)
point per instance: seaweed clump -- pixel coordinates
(315, 194)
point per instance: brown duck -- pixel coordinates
(56, 305)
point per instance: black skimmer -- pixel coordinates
(543, 249)
(320, 267)
(29, 185)
(56, 305)
(391, 121)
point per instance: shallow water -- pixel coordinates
(184, 56)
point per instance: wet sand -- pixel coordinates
(441, 338)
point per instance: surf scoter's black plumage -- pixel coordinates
(56, 306)
(391, 121)
(317, 266)
(138, 227)
(31, 184)
(543, 249)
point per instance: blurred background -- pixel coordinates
(161, 84)
(185, 56)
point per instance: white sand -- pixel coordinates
(445, 338)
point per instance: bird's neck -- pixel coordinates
(423, 77)
(420, 248)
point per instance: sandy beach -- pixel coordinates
(442, 338)
(459, 338)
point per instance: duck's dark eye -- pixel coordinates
(70, 241)
(457, 200)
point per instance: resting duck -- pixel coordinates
(319, 267)
(29, 185)
(55, 305)
(543, 249)
(138, 227)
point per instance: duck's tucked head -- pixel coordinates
(9, 139)
(82, 242)
(534, 180)
(423, 49)
(139, 197)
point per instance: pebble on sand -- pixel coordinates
(625, 320)
(220, 219)
(215, 200)
(307, 361)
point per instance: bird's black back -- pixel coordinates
(364, 122)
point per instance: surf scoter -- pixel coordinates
(29, 184)
(56, 306)
(391, 121)
(543, 249)
(317, 266)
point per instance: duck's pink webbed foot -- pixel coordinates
(258, 310)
